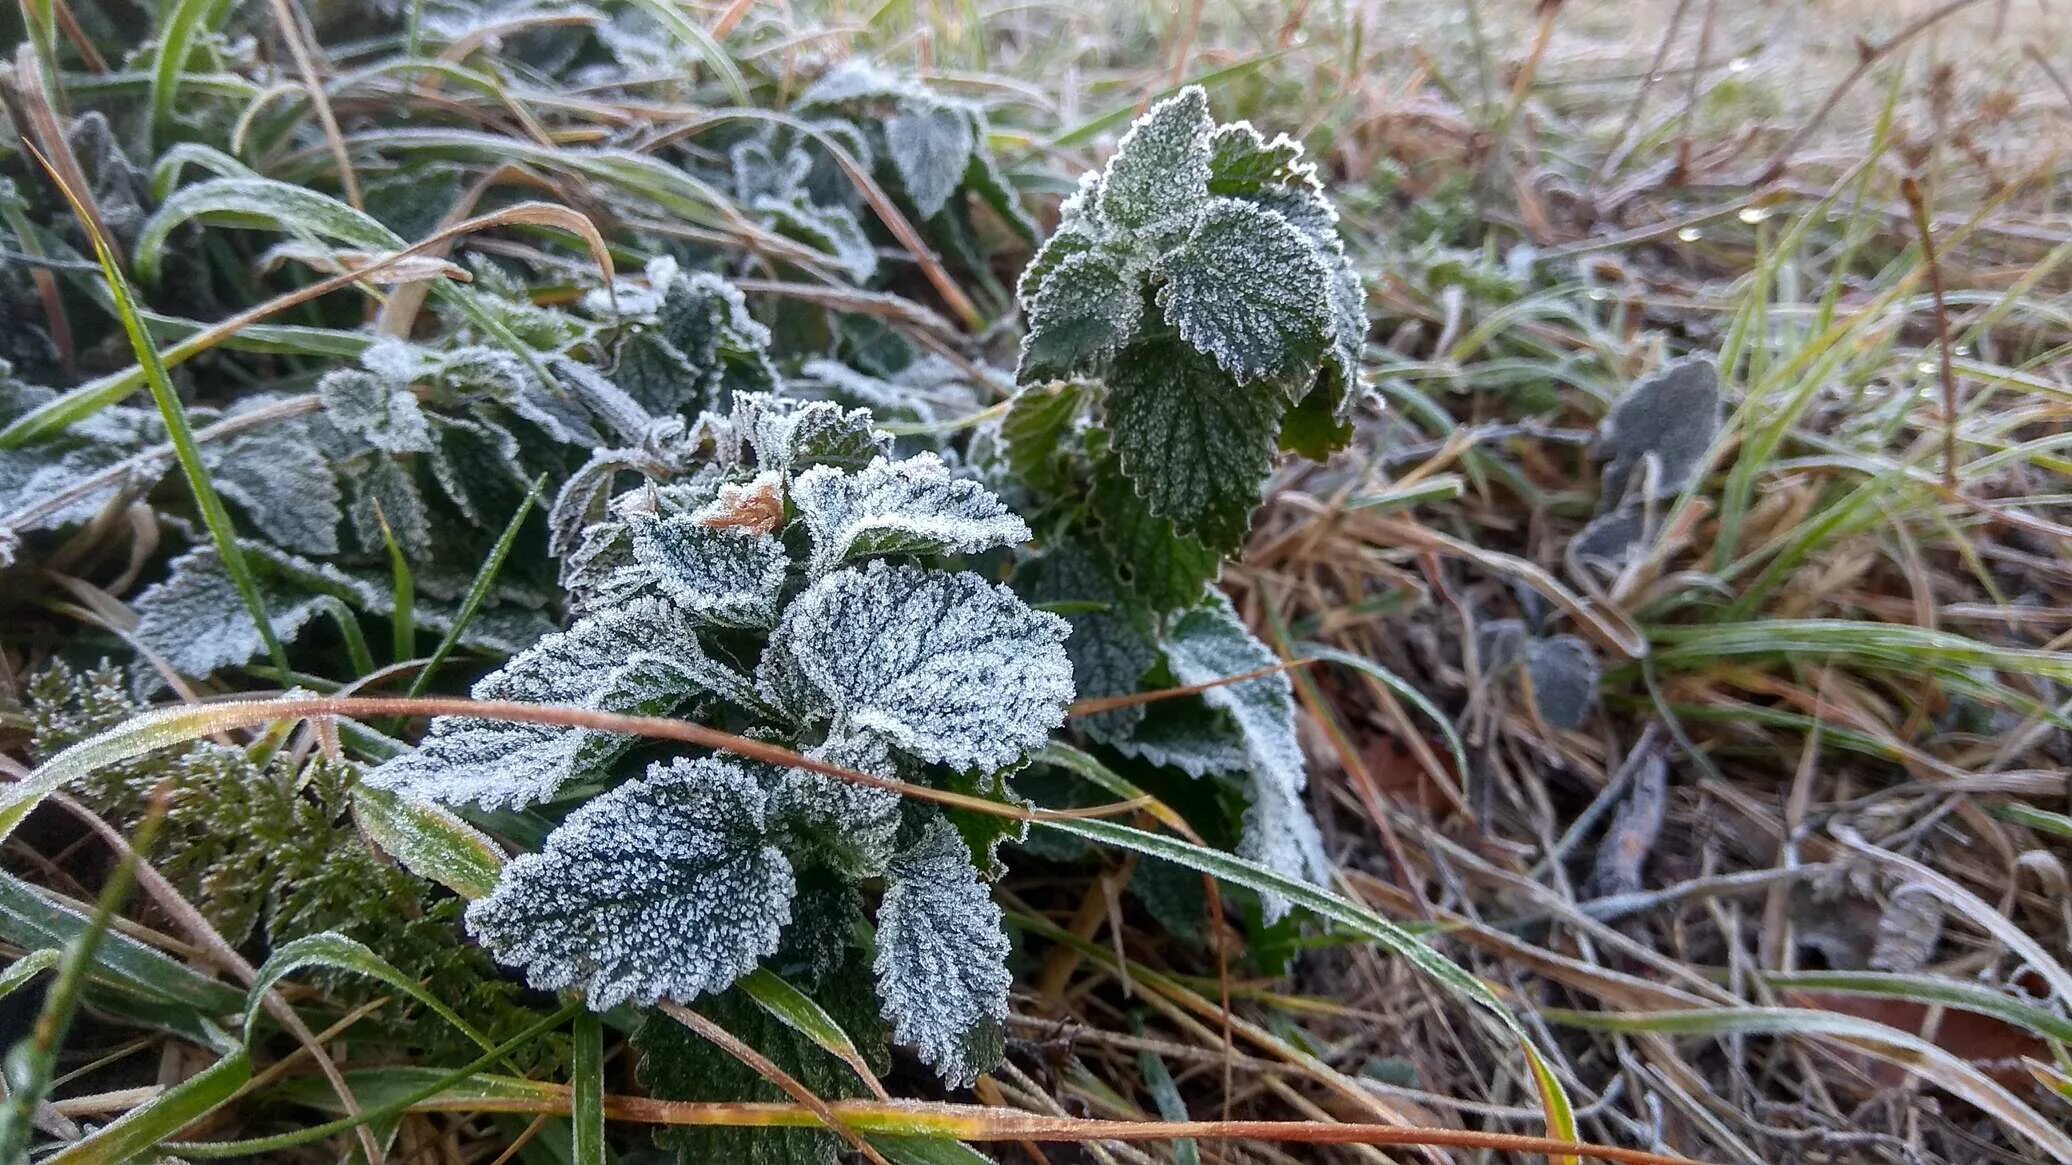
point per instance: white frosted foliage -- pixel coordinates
(1207, 645)
(944, 667)
(724, 577)
(942, 958)
(1160, 171)
(664, 888)
(912, 506)
(1250, 291)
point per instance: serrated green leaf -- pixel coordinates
(1252, 292)
(1087, 305)
(1038, 421)
(1160, 172)
(1152, 560)
(663, 888)
(1195, 445)
(942, 958)
(931, 144)
(912, 506)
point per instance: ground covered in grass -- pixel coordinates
(1676, 617)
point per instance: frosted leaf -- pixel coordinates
(1673, 416)
(726, 578)
(382, 490)
(931, 145)
(789, 436)
(663, 888)
(476, 465)
(833, 230)
(1035, 430)
(855, 80)
(1085, 309)
(942, 666)
(1110, 647)
(984, 179)
(1565, 674)
(280, 480)
(1189, 736)
(1610, 538)
(641, 658)
(197, 622)
(1208, 644)
(1160, 171)
(702, 342)
(754, 506)
(1251, 291)
(1243, 164)
(1195, 446)
(912, 506)
(380, 411)
(849, 827)
(942, 958)
(1153, 561)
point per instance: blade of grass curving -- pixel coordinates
(213, 513)
(402, 620)
(29, 917)
(339, 953)
(1158, 1079)
(796, 1010)
(430, 841)
(1358, 919)
(185, 22)
(478, 591)
(146, 1127)
(31, 1064)
(2042, 821)
(1930, 991)
(437, 1083)
(1399, 686)
(683, 28)
(26, 968)
(1896, 1047)
(586, 1080)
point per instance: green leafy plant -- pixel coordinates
(787, 588)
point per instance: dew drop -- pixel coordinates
(1689, 235)
(1753, 214)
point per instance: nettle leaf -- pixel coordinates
(721, 577)
(379, 411)
(1565, 674)
(1243, 164)
(1672, 417)
(1111, 646)
(931, 144)
(477, 467)
(1152, 560)
(843, 825)
(1159, 175)
(640, 658)
(1195, 445)
(664, 888)
(1187, 735)
(1209, 644)
(197, 622)
(1036, 427)
(912, 506)
(944, 667)
(942, 958)
(1084, 309)
(790, 436)
(701, 343)
(1252, 292)
(383, 491)
(282, 482)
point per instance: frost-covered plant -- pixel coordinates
(788, 589)
(1194, 312)
(926, 149)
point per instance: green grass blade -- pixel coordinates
(185, 449)
(339, 953)
(146, 1127)
(796, 1010)
(185, 21)
(1398, 685)
(478, 591)
(586, 1080)
(430, 841)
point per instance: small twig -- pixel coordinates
(1925, 226)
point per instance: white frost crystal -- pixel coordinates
(942, 958)
(899, 507)
(664, 888)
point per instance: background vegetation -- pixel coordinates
(1759, 828)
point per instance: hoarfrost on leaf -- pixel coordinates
(722, 577)
(1081, 313)
(848, 826)
(379, 410)
(942, 958)
(277, 476)
(638, 659)
(1248, 290)
(789, 436)
(931, 146)
(1671, 416)
(1195, 446)
(1207, 645)
(912, 506)
(1160, 172)
(1565, 674)
(664, 888)
(945, 667)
